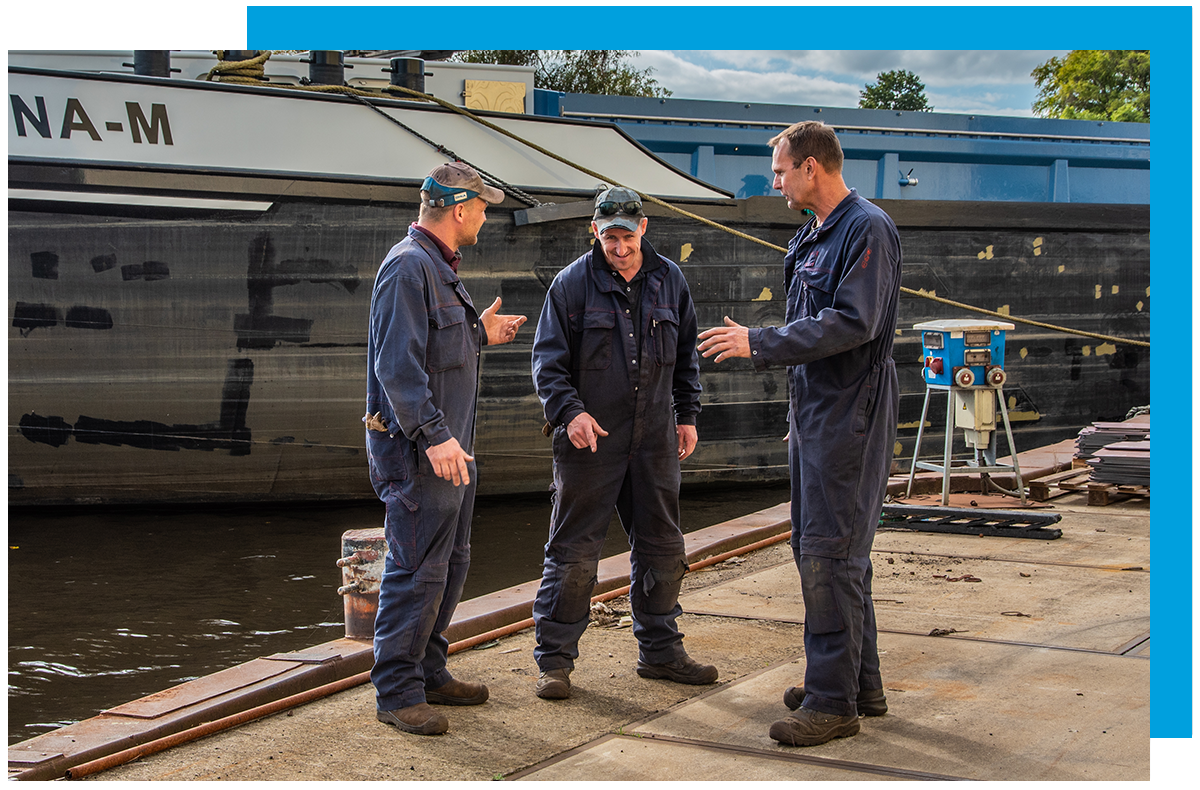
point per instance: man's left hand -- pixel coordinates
(687, 439)
(731, 340)
(500, 328)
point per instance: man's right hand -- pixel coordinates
(583, 431)
(450, 461)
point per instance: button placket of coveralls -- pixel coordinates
(651, 287)
(472, 317)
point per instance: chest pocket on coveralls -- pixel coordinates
(596, 340)
(664, 327)
(447, 345)
(817, 287)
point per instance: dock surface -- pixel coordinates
(1003, 658)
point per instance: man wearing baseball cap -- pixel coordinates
(423, 364)
(616, 368)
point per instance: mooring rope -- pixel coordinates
(247, 72)
(252, 71)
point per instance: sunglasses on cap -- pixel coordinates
(441, 195)
(609, 207)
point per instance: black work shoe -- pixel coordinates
(554, 684)
(871, 702)
(457, 692)
(807, 727)
(681, 670)
(419, 719)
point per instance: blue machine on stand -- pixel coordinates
(965, 358)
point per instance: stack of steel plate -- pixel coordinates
(1104, 434)
(1122, 464)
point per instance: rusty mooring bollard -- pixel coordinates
(362, 569)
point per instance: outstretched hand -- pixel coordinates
(500, 328)
(731, 340)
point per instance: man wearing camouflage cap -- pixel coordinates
(616, 368)
(423, 364)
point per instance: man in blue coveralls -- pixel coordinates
(842, 273)
(616, 369)
(423, 361)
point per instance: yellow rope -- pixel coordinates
(754, 239)
(1006, 317)
(238, 71)
(252, 70)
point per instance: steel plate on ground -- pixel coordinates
(954, 710)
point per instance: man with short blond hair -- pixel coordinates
(842, 276)
(423, 365)
(811, 138)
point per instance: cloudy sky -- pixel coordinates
(956, 81)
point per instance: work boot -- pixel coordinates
(457, 692)
(681, 670)
(807, 727)
(871, 702)
(554, 684)
(419, 719)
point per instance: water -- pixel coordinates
(106, 605)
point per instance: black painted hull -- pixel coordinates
(187, 356)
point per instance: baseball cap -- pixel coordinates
(455, 182)
(618, 207)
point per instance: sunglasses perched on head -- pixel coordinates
(609, 207)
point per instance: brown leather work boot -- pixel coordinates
(553, 684)
(419, 719)
(870, 702)
(457, 692)
(807, 727)
(682, 670)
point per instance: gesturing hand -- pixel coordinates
(500, 328)
(731, 340)
(583, 431)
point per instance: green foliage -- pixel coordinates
(895, 90)
(1095, 85)
(599, 71)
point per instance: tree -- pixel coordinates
(601, 71)
(895, 90)
(1095, 85)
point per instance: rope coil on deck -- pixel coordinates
(252, 71)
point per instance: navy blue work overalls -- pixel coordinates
(423, 359)
(843, 282)
(585, 359)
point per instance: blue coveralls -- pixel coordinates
(585, 359)
(422, 375)
(843, 282)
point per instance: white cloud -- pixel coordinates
(960, 81)
(692, 81)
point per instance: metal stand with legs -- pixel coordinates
(984, 468)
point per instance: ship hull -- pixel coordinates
(186, 354)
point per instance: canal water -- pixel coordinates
(106, 605)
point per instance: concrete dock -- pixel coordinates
(1003, 658)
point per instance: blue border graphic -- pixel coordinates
(1165, 31)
